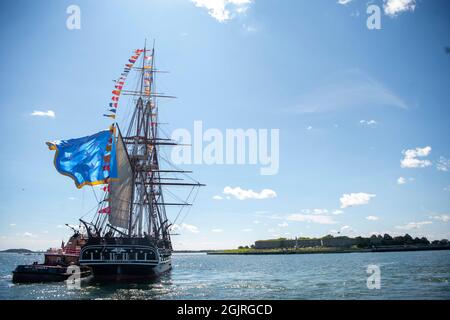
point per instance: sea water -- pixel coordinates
(402, 275)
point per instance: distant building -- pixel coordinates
(305, 243)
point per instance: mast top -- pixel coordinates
(146, 207)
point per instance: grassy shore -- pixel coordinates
(289, 251)
(249, 251)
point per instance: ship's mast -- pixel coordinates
(143, 142)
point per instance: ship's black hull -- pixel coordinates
(125, 259)
(129, 272)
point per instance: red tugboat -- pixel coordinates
(56, 264)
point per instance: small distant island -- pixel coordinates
(339, 244)
(17, 251)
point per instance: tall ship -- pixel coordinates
(129, 236)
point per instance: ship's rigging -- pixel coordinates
(134, 205)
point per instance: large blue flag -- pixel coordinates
(89, 160)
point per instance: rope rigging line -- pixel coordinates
(89, 211)
(178, 169)
(95, 194)
(181, 209)
(189, 208)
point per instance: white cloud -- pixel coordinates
(319, 211)
(309, 128)
(443, 164)
(344, 2)
(346, 90)
(217, 230)
(28, 234)
(355, 199)
(337, 212)
(249, 28)
(442, 217)
(394, 7)
(72, 198)
(413, 225)
(315, 218)
(347, 229)
(12, 224)
(372, 218)
(242, 194)
(48, 113)
(217, 197)
(410, 158)
(247, 230)
(184, 226)
(223, 10)
(368, 123)
(283, 225)
(242, 9)
(401, 180)
(256, 222)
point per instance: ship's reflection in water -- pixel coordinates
(405, 275)
(125, 290)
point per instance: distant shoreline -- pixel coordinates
(314, 250)
(18, 251)
(326, 250)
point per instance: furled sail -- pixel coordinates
(121, 189)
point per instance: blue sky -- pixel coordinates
(349, 103)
